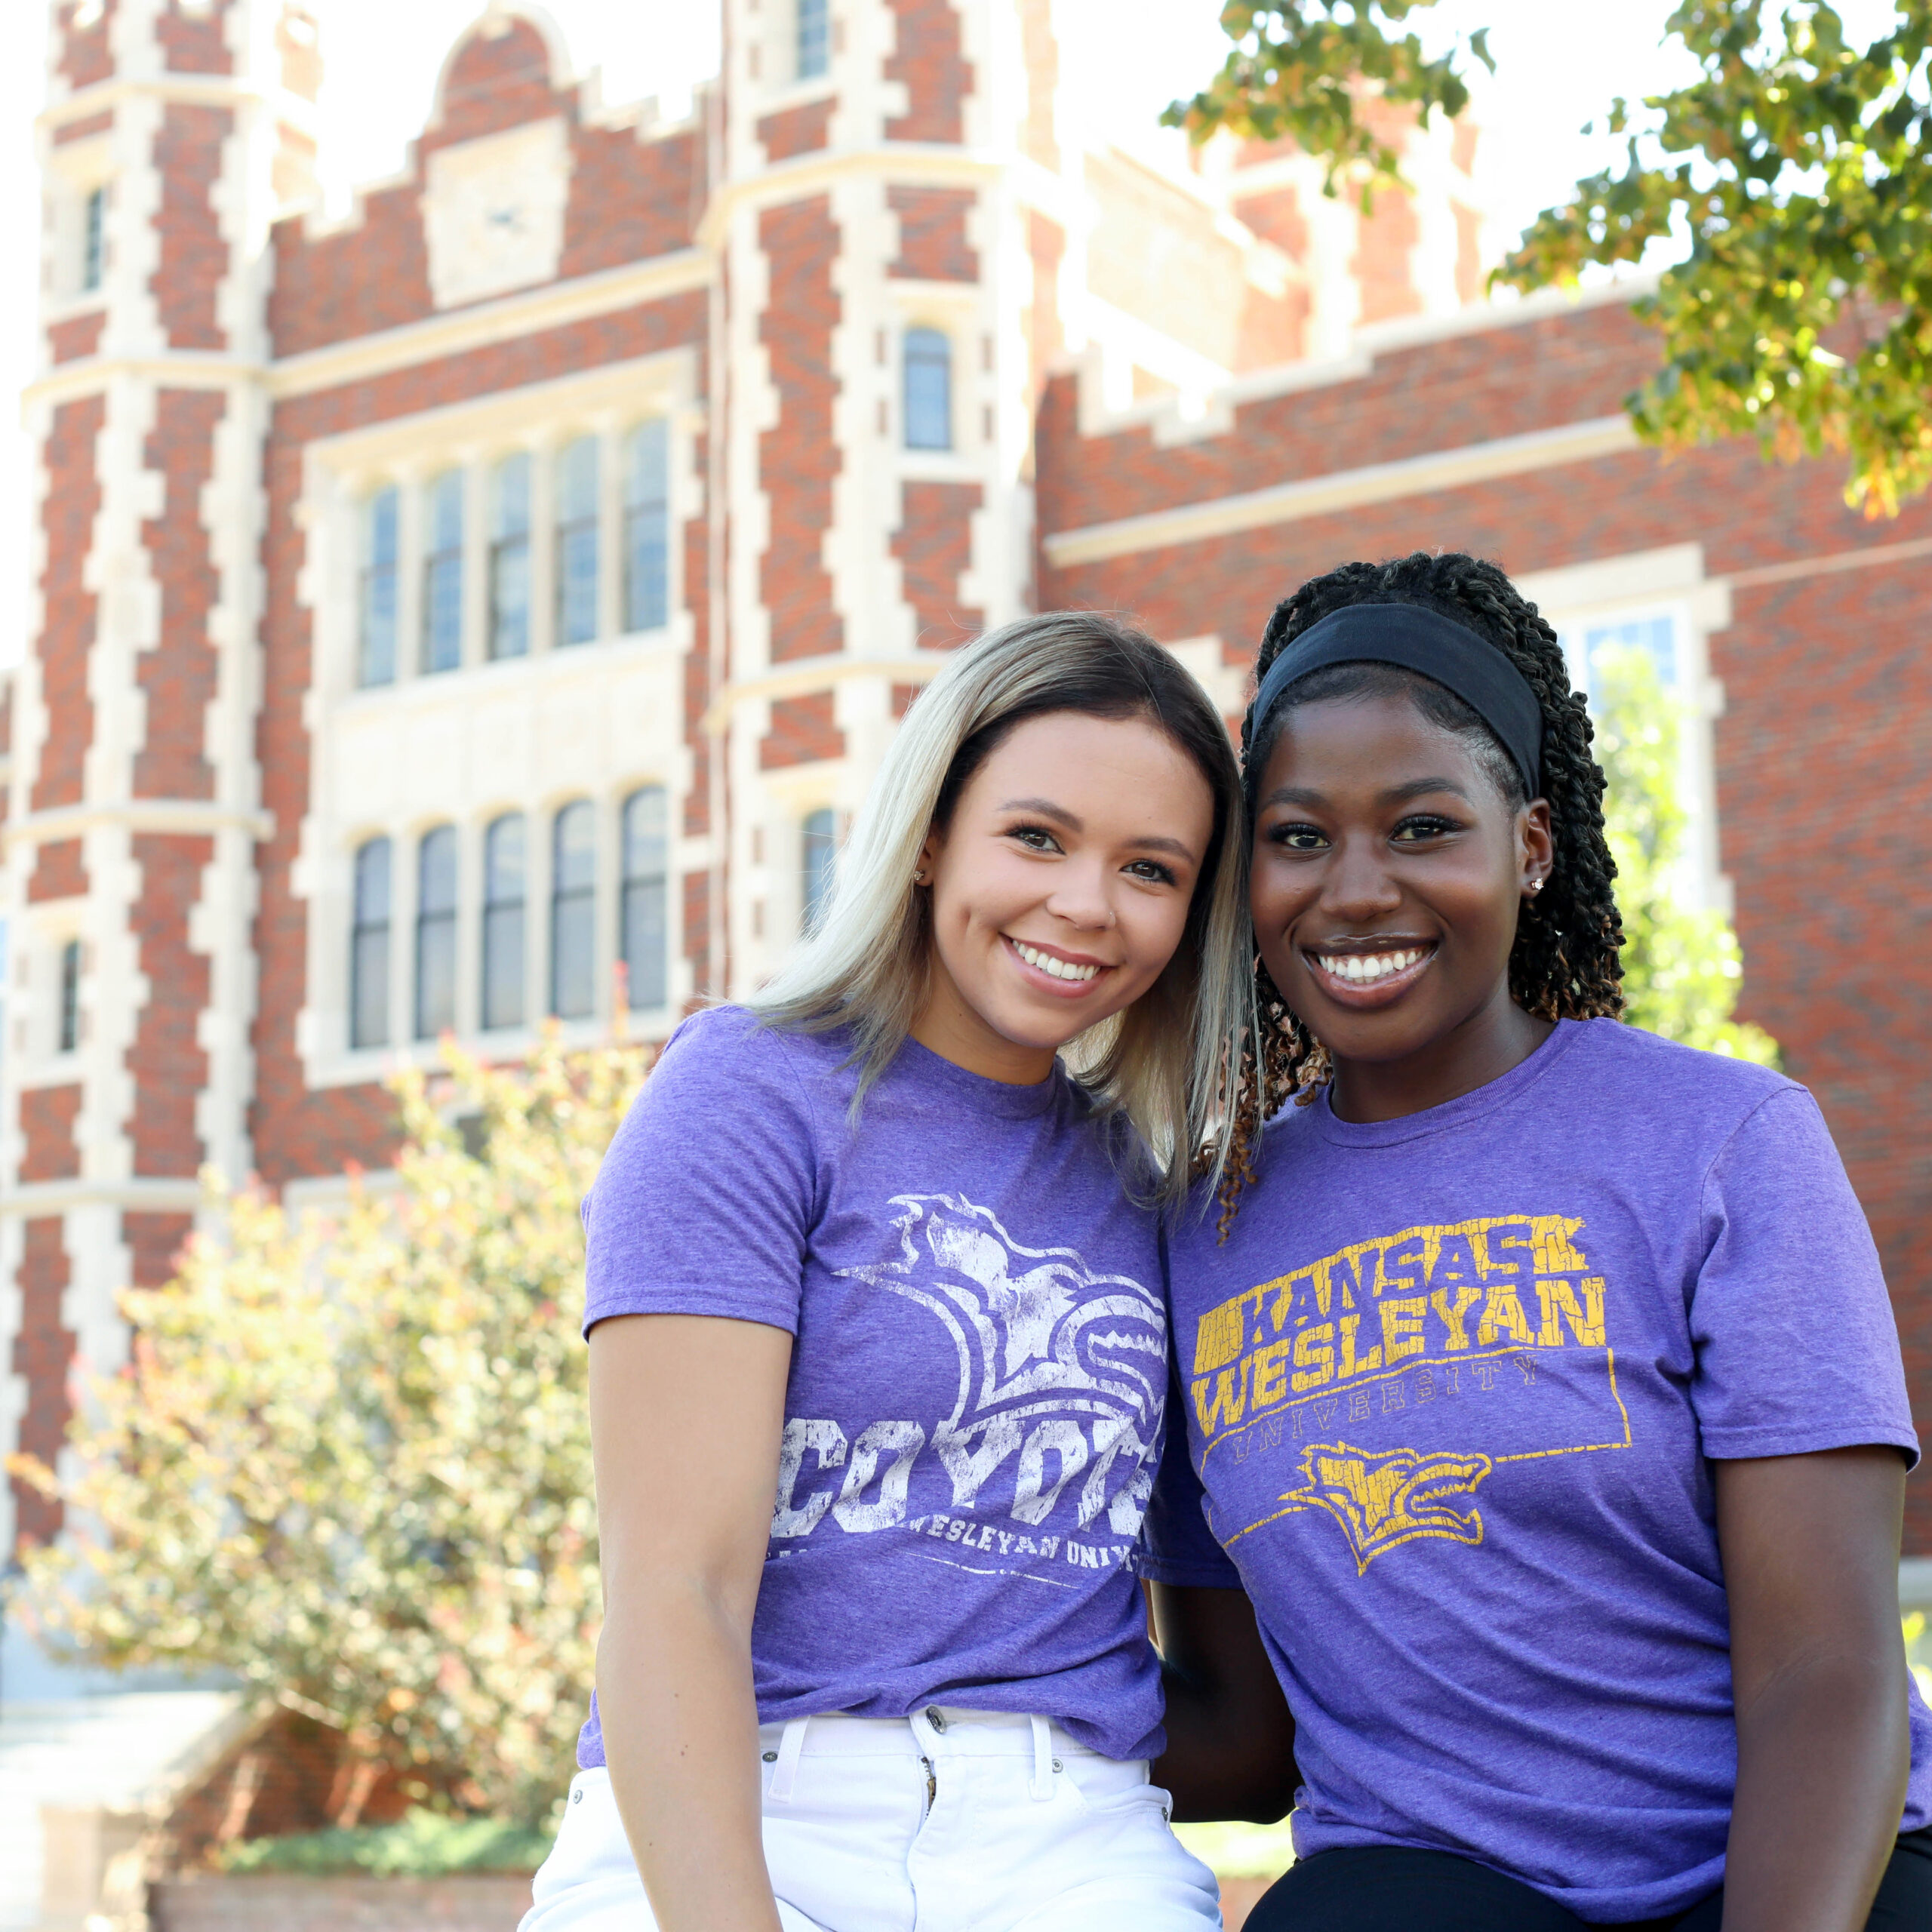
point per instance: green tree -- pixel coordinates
(350, 1461)
(1682, 971)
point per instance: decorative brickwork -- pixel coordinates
(48, 1117)
(196, 43)
(798, 457)
(796, 130)
(75, 335)
(932, 234)
(67, 621)
(194, 256)
(934, 546)
(802, 732)
(630, 199)
(85, 128)
(86, 56)
(178, 677)
(43, 1354)
(165, 1059)
(58, 870)
(499, 77)
(928, 58)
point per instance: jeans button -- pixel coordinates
(576, 1796)
(935, 1717)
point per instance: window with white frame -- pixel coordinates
(369, 946)
(442, 573)
(647, 526)
(503, 922)
(814, 39)
(509, 556)
(927, 381)
(576, 569)
(818, 851)
(94, 240)
(67, 1038)
(382, 546)
(573, 911)
(435, 932)
(644, 936)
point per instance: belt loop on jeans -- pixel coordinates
(785, 1772)
(1045, 1765)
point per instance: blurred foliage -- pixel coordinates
(425, 1845)
(1297, 71)
(1799, 167)
(349, 1460)
(1682, 970)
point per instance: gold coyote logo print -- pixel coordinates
(1382, 1499)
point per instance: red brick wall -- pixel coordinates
(802, 730)
(927, 57)
(795, 131)
(697, 929)
(165, 1059)
(58, 872)
(66, 634)
(43, 1351)
(1046, 244)
(932, 234)
(187, 152)
(697, 662)
(75, 335)
(48, 1117)
(196, 43)
(495, 81)
(155, 1242)
(798, 458)
(178, 677)
(934, 546)
(87, 126)
(85, 57)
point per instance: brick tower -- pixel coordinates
(173, 129)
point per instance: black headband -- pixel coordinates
(1419, 639)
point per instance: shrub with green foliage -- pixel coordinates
(425, 1845)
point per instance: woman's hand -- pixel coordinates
(1811, 1548)
(686, 1414)
(1230, 1742)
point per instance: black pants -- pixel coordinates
(1389, 1888)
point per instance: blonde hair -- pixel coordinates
(1162, 1062)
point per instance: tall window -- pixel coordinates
(70, 996)
(818, 850)
(644, 939)
(815, 38)
(94, 242)
(1585, 643)
(502, 922)
(380, 540)
(509, 557)
(928, 399)
(442, 574)
(436, 932)
(647, 527)
(576, 541)
(369, 948)
(573, 911)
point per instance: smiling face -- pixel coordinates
(1387, 875)
(1060, 887)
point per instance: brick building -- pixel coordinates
(437, 608)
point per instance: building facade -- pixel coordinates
(490, 606)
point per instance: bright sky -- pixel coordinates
(1559, 62)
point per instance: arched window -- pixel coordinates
(576, 541)
(645, 933)
(814, 47)
(509, 557)
(817, 850)
(442, 574)
(647, 527)
(377, 663)
(573, 911)
(502, 922)
(435, 932)
(928, 376)
(369, 947)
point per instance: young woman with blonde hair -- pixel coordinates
(867, 1243)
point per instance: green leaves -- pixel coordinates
(1298, 72)
(1798, 166)
(350, 1461)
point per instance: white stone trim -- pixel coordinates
(815, 674)
(1347, 489)
(133, 1196)
(136, 815)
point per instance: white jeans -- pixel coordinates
(947, 1821)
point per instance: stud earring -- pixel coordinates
(919, 878)
(1534, 886)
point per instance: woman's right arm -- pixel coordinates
(686, 1414)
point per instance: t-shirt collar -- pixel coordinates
(933, 1073)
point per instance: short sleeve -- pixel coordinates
(1176, 1546)
(1797, 1350)
(705, 1203)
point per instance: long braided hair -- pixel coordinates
(1564, 962)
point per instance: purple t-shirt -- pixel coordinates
(1451, 1385)
(978, 1373)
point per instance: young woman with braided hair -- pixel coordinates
(1540, 1380)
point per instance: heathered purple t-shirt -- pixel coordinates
(1451, 1387)
(974, 1409)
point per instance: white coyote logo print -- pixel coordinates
(1053, 1357)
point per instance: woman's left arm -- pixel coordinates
(1810, 1549)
